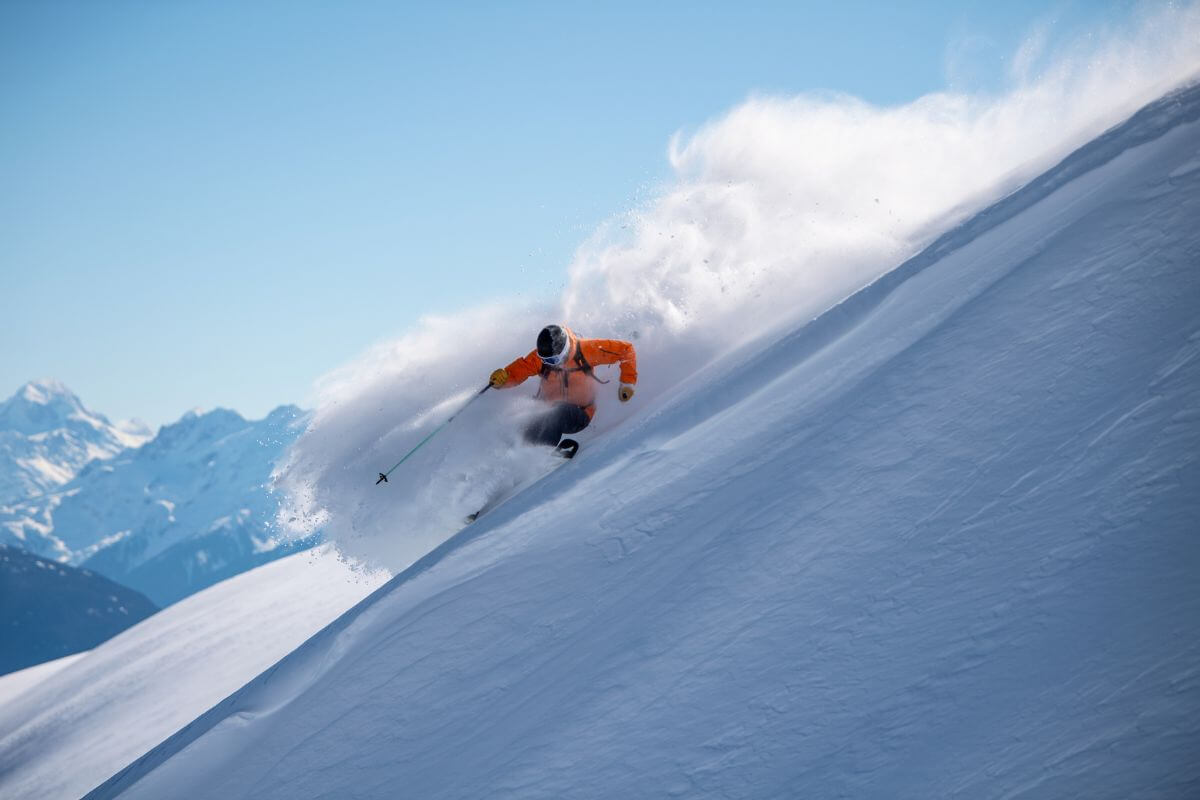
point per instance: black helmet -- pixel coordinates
(553, 344)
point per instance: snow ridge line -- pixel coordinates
(311, 659)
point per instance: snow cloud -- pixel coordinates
(778, 210)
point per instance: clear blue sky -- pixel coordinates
(207, 203)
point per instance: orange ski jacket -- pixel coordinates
(573, 382)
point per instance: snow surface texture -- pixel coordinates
(15, 683)
(69, 731)
(939, 542)
(781, 209)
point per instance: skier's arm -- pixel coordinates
(612, 351)
(520, 370)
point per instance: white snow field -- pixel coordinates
(62, 734)
(21, 681)
(942, 541)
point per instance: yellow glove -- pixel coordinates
(499, 378)
(625, 392)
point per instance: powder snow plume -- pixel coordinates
(778, 210)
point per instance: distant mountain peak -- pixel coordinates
(44, 391)
(43, 405)
(135, 427)
(286, 414)
(215, 416)
(50, 435)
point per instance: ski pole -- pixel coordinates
(383, 475)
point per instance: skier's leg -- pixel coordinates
(549, 428)
(574, 419)
(572, 422)
(543, 429)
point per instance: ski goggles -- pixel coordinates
(554, 361)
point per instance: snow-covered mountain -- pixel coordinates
(190, 508)
(49, 610)
(185, 510)
(47, 435)
(940, 541)
(65, 733)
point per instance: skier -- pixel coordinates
(564, 362)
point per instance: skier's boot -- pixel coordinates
(567, 448)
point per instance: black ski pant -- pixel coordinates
(561, 419)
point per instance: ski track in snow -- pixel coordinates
(940, 542)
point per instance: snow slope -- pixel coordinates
(69, 731)
(777, 210)
(16, 683)
(938, 542)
